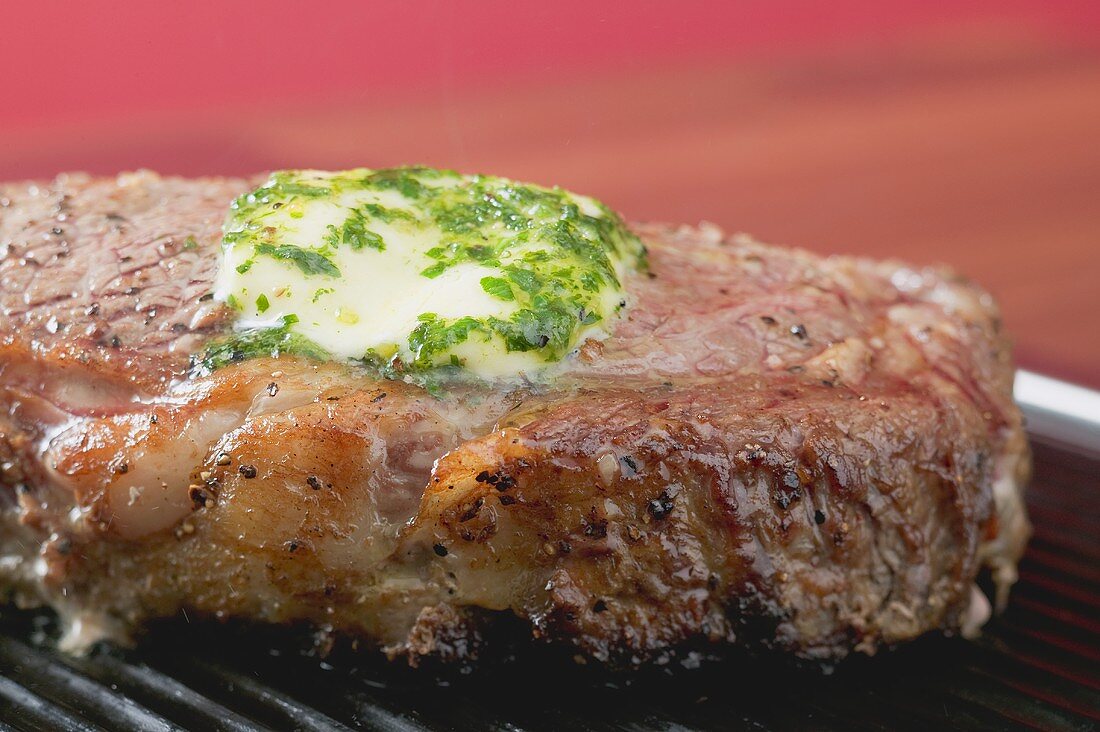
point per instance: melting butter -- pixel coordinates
(417, 269)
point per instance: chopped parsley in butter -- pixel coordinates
(414, 269)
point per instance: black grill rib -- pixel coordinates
(1026, 711)
(249, 694)
(151, 687)
(1037, 667)
(19, 706)
(1060, 615)
(1042, 557)
(42, 672)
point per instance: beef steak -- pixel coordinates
(773, 449)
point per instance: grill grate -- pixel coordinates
(1035, 667)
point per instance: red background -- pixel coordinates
(966, 133)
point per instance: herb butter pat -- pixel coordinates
(413, 269)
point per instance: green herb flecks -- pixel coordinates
(282, 188)
(257, 342)
(354, 233)
(457, 252)
(385, 214)
(405, 181)
(310, 261)
(498, 288)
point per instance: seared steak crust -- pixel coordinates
(775, 449)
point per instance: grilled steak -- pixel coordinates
(772, 449)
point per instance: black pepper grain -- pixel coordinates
(248, 471)
(199, 497)
(630, 464)
(473, 510)
(660, 507)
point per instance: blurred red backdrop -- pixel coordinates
(964, 133)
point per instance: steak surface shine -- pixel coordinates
(773, 449)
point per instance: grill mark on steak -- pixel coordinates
(774, 449)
